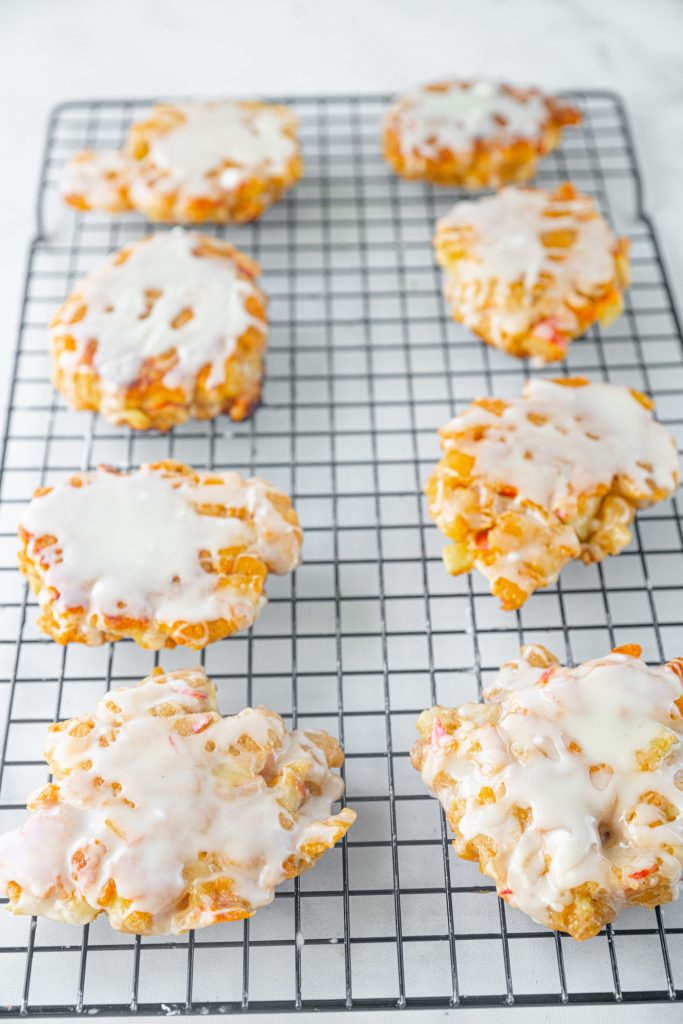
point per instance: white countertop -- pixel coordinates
(73, 49)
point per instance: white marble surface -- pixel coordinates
(73, 49)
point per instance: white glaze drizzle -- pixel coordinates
(129, 544)
(612, 708)
(127, 333)
(251, 140)
(187, 799)
(554, 445)
(430, 120)
(503, 240)
(588, 436)
(97, 176)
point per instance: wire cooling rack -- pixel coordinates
(363, 366)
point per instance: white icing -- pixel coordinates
(592, 826)
(127, 333)
(250, 140)
(454, 118)
(589, 435)
(508, 229)
(503, 239)
(547, 450)
(129, 544)
(97, 176)
(192, 153)
(187, 799)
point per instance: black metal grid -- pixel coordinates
(363, 365)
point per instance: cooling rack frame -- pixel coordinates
(363, 365)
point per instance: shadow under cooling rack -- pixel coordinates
(363, 366)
